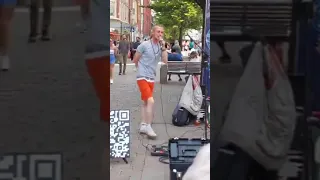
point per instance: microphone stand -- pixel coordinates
(204, 65)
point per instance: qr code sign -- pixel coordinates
(120, 134)
(46, 166)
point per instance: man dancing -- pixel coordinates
(146, 58)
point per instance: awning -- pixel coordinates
(114, 34)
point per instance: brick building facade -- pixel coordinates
(126, 15)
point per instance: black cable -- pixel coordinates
(162, 112)
(164, 159)
(149, 147)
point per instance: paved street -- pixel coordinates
(47, 102)
(125, 95)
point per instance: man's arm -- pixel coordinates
(164, 57)
(138, 54)
(136, 58)
(164, 53)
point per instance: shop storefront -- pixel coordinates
(115, 36)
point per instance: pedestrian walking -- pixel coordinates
(174, 56)
(6, 14)
(147, 57)
(34, 19)
(113, 51)
(85, 14)
(191, 44)
(134, 49)
(124, 47)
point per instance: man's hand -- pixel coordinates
(162, 43)
(164, 56)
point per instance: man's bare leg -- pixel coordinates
(149, 110)
(147, 113)
(143, 112)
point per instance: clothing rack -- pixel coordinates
(270, 21)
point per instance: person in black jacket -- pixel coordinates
(34, 18)
(134, 47)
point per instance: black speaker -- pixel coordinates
(182, 151)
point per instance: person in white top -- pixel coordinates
(168, 47)
(113, 51)
(193, 57)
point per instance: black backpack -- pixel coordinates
(180, 116)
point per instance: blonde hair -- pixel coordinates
(154, 28)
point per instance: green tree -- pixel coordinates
(177, 16)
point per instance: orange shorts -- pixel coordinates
(97, 68)
(146, 89)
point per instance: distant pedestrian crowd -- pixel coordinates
(6, 14)
(122, 50)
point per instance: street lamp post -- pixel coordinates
(120, 27)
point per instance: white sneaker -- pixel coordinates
(143, 128)
(5, 63)
(147, 129)
(111, 81)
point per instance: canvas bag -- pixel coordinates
(191, 98)
(278, 127)
(249, 123)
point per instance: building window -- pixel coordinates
(113, 8)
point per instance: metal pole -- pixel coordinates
(204, 65)
(120, 28)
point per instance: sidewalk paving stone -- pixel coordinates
(125, 95)
(47, 102)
